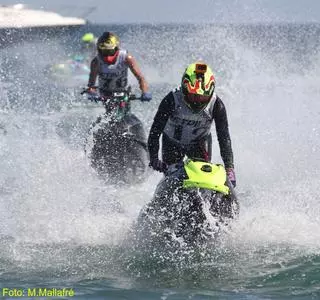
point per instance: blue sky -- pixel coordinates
(156, 11)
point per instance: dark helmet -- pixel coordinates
(198, 84)
(108, 44)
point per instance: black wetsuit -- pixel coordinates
(173, 152)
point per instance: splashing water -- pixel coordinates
(50, 196)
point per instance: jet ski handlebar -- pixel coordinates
(98, 97)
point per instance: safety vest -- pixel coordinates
(186, 127)
(113, 77)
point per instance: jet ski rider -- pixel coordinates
(184, 119)
(111, 66)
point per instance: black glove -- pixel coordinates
(158, 165)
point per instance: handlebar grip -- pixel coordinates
(134, 97)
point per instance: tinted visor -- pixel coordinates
(197, 102)
(108, 52)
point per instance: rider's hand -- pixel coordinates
(158, 165)
(92, 90)
(232, 176)
(92, 94)
(146, 97)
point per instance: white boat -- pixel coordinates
(19, 16)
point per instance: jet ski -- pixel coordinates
(70, 73)
(190, 206)
(117, 145)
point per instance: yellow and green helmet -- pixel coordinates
(198, 84)
(108, 44)
(88, 38)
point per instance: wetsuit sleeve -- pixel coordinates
(222, 129)
(165, 109)
(93, 72)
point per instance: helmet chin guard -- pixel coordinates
(111, 59)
